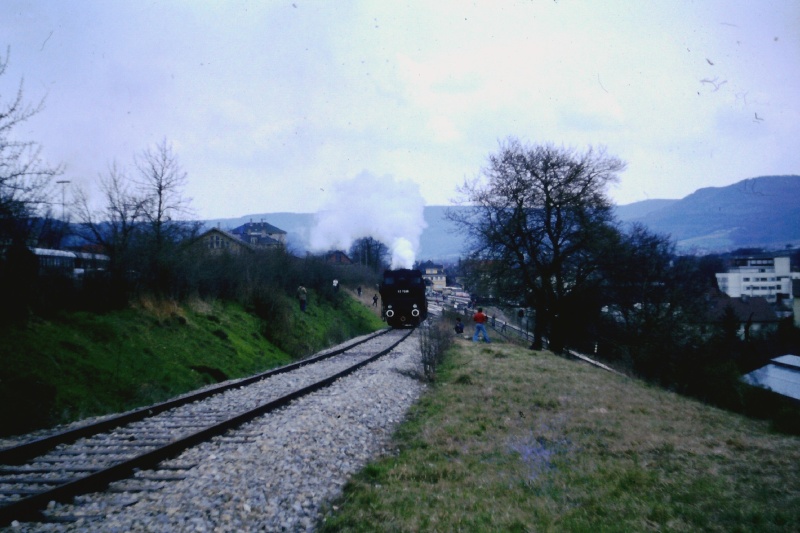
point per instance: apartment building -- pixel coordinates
(764, 276)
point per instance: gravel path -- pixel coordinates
(276, 473)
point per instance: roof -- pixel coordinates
(262, 226)
(781, 376)
(246, 239)
(227, 235)
(52, 253)
(338, 256)
(430, 264)
(49, 252)
(749, 308)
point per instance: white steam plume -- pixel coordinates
(383, 208)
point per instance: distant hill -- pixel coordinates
(637, 210)
(756, 212)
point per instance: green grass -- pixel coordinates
(515, 440)
(75, 365)
(325, 323)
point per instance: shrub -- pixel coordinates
(434, 340)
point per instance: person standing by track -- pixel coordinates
(480, 326)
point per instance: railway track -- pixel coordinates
(89, 458)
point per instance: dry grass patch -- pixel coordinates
(160, 308)
(514, 440)
(201, 307)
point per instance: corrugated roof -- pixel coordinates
(789, 360)
(781, 376)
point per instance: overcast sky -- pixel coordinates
(270, 104)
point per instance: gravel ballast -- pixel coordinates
(277, 473)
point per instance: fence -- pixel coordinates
(502, 327)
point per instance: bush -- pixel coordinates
(434, 340)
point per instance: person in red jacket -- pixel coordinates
(480, 326)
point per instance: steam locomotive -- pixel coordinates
(403, 298)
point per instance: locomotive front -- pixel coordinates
(403, 297)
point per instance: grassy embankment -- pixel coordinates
(515, 440)
(73, 365)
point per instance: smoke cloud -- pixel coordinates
(383, 208)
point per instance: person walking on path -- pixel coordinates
(375, 301)
(480, 326)
(302, 295)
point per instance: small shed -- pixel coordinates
(781, 376)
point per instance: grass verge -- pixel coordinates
(74, 365)
(515, 440)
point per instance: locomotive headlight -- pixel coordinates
(415, 312)
(389, 313)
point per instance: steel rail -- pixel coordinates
(29, 508)
(20, 453)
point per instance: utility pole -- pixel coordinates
(63, 184)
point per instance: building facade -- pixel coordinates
(767, 277)
(216, 240)
(434, 274)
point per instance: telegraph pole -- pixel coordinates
(63, 184)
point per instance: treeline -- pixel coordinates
(141, 224)
(544, 236)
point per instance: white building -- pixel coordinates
(763, 276)
(434, 275)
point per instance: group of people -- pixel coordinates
(302, 295)
(480, 319)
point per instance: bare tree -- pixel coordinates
(538, 219)
(369, 252)
(160, 183)
(113, 228)
(25, 180)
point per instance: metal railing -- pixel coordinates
(502, 327)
